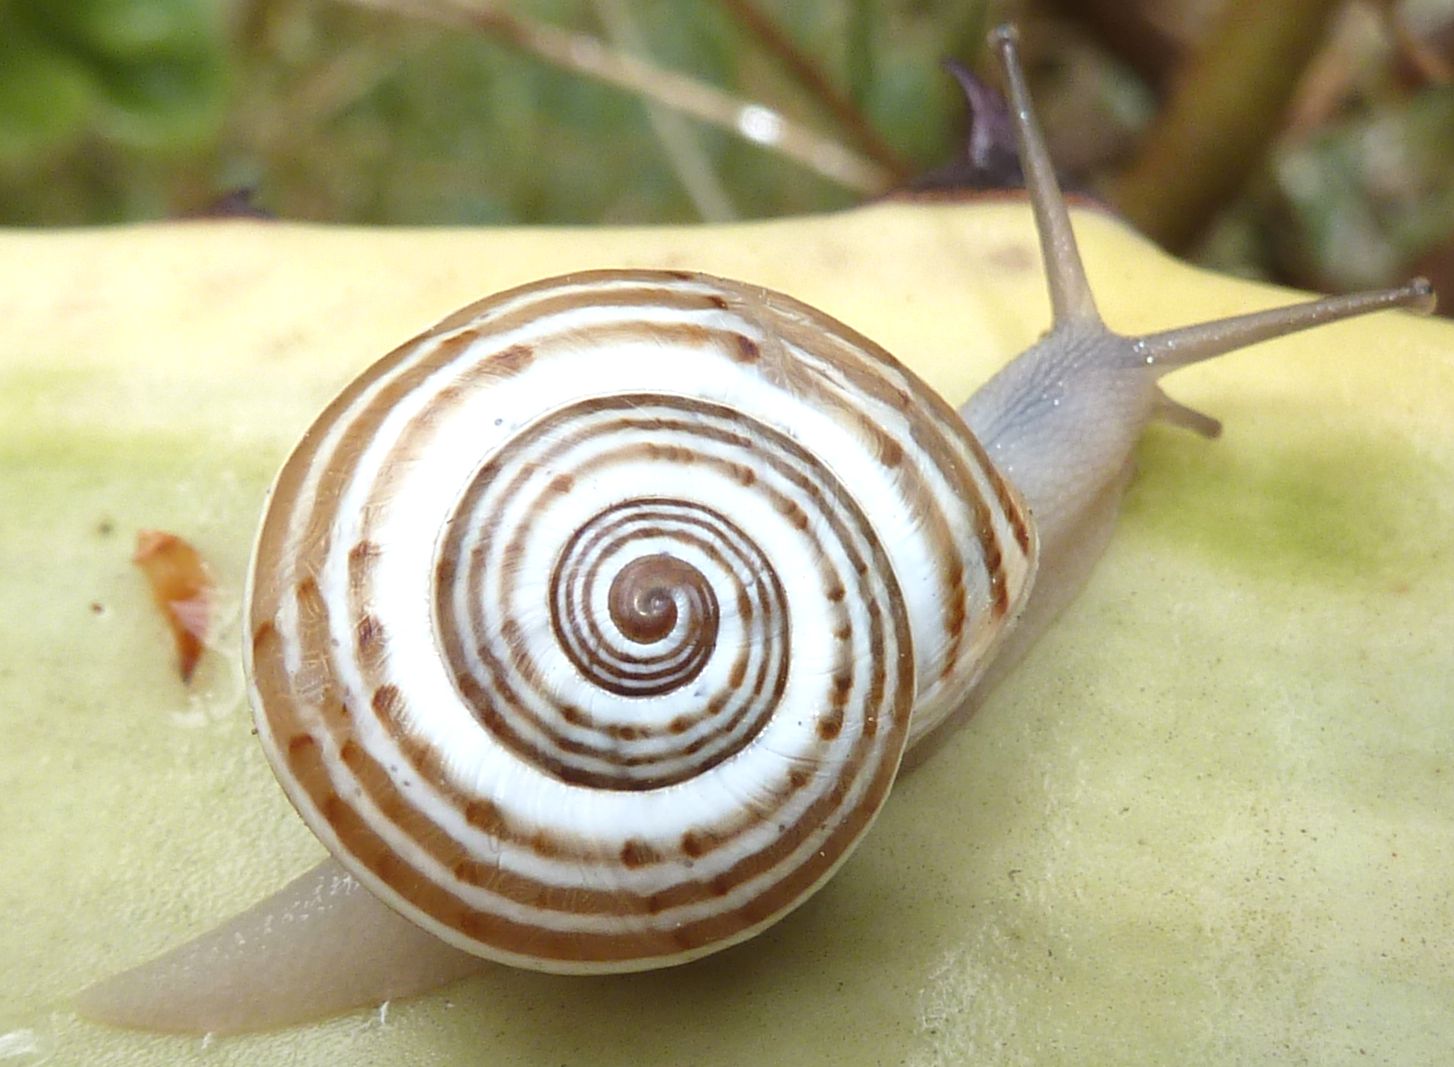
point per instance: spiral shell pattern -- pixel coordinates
(588, 629)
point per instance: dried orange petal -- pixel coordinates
(182, 588)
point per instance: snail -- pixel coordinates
(589, 629)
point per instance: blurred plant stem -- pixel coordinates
(808, 74)
(590, 57)
(678, 140)
(1431, 67)
(1224, 113)
(1127, 30)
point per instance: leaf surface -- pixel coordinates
(1208, 820)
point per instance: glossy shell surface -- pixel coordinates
(588, 628)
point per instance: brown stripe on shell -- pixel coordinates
(528, 305)
(861, 567)
(265, 638)
(890, 453)
(570, 946)
(361, 559)
(551, 428)
(602, 947)
(1016, 516)
(657, 290)
(841, 366)
(487, 707)
(633, 520)
(379, 786)
(453, 632)
(369, 637)
(410, 376)
(363, 842)
(685, 335)
(930, 437)
(665, 517)
(745, 349)
(769, 592)
(425, 762)
(566, 945)
(648, 675)
(841, 352)
(860, 371)
(318, 532)
(512, 360)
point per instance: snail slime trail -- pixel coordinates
(517, 679)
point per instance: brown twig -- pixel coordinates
(1225, 112)
(1364, 35)
(1144, 45)
(1331, 79)
(1431, 67)
(590, 57)
(806, 71)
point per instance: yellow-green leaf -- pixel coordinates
(1209, 820)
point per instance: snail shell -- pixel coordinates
(588, 629)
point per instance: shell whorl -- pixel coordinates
(587, 628)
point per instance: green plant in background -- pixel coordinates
(413, 112)
(382, 116)
(1357, 197)
(469, 112)
(147, 73)
(96, 95)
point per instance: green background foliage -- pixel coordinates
(145, 76)
(365, 112)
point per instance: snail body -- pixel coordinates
(589, 629)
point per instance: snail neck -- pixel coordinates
(1060, 423)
